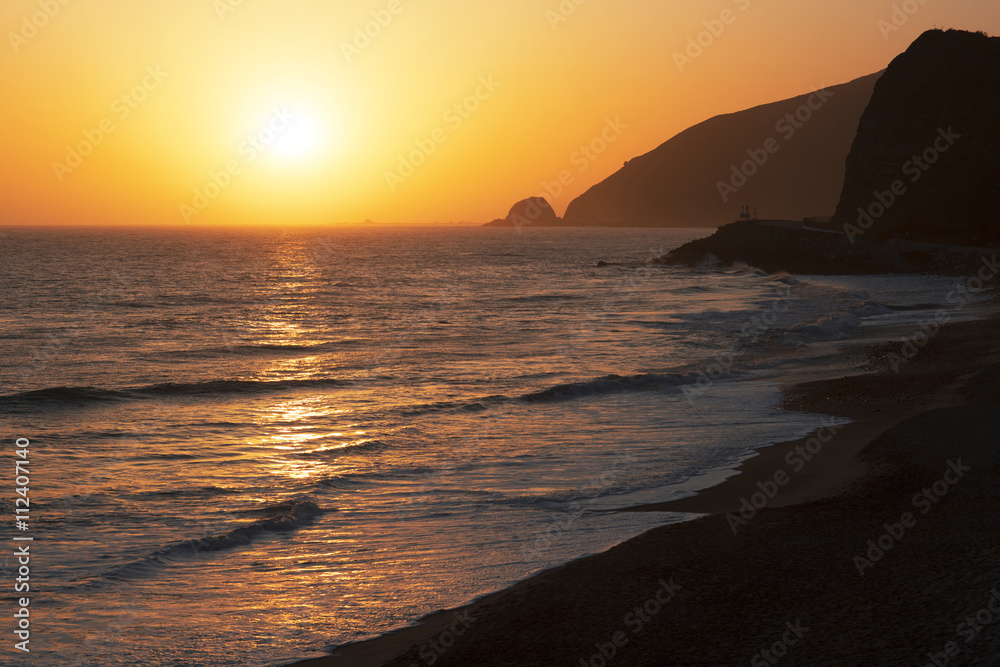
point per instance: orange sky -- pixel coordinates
(260, 111)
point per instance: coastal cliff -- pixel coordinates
(925, 164)
(921, 184)
(786, 157)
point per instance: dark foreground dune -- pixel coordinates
(884, 549)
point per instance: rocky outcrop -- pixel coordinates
(784, 246)
(785, 159)
(922, 185)
(925, 164)
(772, 249)
(534, 211)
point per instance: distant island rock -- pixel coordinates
(920, 191)
(787, 158)
(533, 211)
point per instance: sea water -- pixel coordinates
(249, 446)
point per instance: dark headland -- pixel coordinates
(688, 181)
(922, 180)
(883, 547)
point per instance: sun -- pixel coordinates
(300, 137)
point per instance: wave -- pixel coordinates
(918, 306)
(76, 397)
(259, 349)
(283, 517)
(696, 289)
(362, 446)
(354, 480)
(62, 395)
(79, 397)
(608, 384)
(170, 456)
(198, 491)
(541, 298)
(568, 391)
(108, 499)
(134, 303)
(82, 396)
(474, 405)
(830, 313)
(549, 500)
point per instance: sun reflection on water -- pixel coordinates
(300, 435)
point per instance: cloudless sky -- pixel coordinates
(286, 112)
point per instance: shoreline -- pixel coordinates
(847, 469)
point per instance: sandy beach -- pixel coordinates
(870, 544)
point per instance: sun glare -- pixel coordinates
(300, 138)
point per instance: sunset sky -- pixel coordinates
(259, 111)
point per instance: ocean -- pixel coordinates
(249, 446)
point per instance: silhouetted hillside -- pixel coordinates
(922, 187)
(785, 159)
(925, 164)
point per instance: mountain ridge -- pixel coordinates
(692, 179)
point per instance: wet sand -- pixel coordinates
(880, 546)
